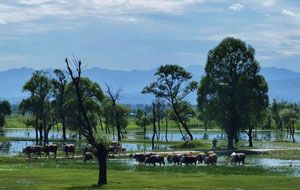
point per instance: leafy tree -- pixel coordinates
(59, 93)
(173, 84)
(232, 86)
(5, 109)
(39, 87)
(142, 120)
(87, 94)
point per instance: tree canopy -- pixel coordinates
(232, 90)
(173, 83)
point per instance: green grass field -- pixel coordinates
(19, 173)
(42, 177)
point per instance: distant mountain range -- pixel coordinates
(283, 84)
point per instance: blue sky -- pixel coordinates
(143, 34)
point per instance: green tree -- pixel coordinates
(88, 94)
(39, 87)
(142, 120)
(59, 93)
(173, 83)
(288, 117)
(5, 109)
(231, 84)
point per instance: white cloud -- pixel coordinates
(2, 21)
(288, 12)
(236, 6)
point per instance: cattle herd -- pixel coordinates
(47, 149)
(187, 158)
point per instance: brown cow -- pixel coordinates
(50, 148)
(153, 159)
(33, 149)
(211, 158)
(69, 148)
(140, 158)
(174, 158)
(188, 159)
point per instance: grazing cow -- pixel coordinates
(211, 158)
(33, 149)
(201, 158)
(237, 158)
(87, 156)
(153, 159)
(188, 159)
(173, 158)
(140, 158)
(50, 148)
(69, 148)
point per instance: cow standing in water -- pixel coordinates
(33, 149)
(50, 148)
(69, 148)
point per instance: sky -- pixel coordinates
(143, 34)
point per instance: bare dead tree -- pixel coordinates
(114, 97)
(85, 124)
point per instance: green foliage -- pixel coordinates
(92, 96)
(173, 83)
(232, 92)
(195, 144)
(5, 109)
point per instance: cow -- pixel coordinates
(141, 157)
(201, 158)
(237, 158)
(153, 159)
(211, 158)
(188, 159)
(173, 158)
(50, 148)
(33, 149)
(69, 148)
(87, 156)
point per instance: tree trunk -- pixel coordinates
(154, 126)
(250, 137)
(41, 134)
(293, 133)
(45, 132)
(36, 131)
(144, 131)
(64, 128)
(166, 135)
(230, 138)
(102, 178)
(158, 125)
(182, 122)
(118, 122)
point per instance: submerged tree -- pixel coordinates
(5, 109)
(173, 83)
(232, 87)
(85, 119)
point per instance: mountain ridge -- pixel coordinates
(283, 83)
